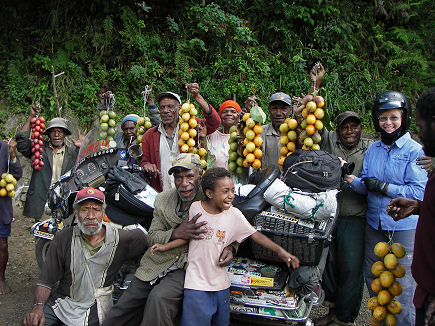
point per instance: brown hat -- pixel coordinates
(186, 161)
(346, 115)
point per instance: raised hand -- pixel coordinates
(77, 142)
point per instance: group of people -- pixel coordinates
(75, 284)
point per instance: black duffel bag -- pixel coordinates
(312, 171)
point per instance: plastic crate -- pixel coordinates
(303, 238)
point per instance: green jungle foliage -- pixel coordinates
(231, 48)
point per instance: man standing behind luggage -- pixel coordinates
(58, 159)
(343, 279)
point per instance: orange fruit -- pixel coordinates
(258, 141)
(390, 261)
(185, 148)
(283, 128)
(308, 142)
(376, 285)
(386, 278)
(192, 133)
(194, 150)
(284, 140)
(185, 116)
(390, 320)
(394, 307)
(250, 157)
(256, 164)
(184, 126)
(310, 130)
(377, 268)
(319, 113)
(304, 113)
(398, 249)
(372, 303)
(374, 322)
(283, 150)
(281, 160)
(250, 147)
(381, 249)
(193, 123)
(291, 146)
(304, 123)
(245, 152)
(318, 124)
(250, 134)
(292, 135)
(395, 289)
(311, 106)
(311, 119)
(380, 313)
(316, 147)
(320, 101)
(246, 163)
(191, 142)
(384, 297)
(245, 141)
(399, 271)
(250, 123)
(292, 123)
(258, 153)
(181, 142)
(258, 129)
(185, 135)
(246, 116)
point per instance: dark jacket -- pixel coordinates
(15, 170)
(40, 181)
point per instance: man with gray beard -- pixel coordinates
(84, 259)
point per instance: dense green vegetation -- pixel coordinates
(232, 48)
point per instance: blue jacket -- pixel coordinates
(396, 166)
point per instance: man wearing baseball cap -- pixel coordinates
(84, 261)
(57, 156)
(280, 107)
(155, 294)
(160, 143)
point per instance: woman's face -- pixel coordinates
(229, 117)
(390, 120)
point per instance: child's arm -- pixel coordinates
(264, 241)
(167, 246)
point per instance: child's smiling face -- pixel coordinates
(222, 196)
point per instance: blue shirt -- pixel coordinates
(396, 166)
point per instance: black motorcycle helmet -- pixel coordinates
(388, 101)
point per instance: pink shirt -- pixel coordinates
(203, 272)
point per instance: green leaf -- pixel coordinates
(258, 115)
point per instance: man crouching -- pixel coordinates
(84, 259)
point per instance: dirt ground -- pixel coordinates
(22, 273)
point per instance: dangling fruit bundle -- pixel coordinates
(188, 130)
(107, 124)
(38, 126)
(107, 116)
(387, 270)
(245, 141)
(302, 131)
(7, 185)
(144, 122)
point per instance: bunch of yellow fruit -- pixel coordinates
(202, 153)
(187, 127)
(142, 125)
(383, 306)
(252, 142)
(7, 185)
(304, 132)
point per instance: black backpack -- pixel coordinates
(312, 171)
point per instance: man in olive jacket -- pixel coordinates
(58, 159)
(155, 294)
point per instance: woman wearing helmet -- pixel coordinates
(390, 171)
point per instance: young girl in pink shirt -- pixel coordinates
(206, 286)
